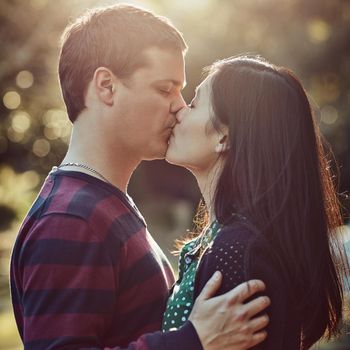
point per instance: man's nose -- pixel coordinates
(177, 104)
(180, 113)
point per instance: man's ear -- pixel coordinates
(105, 85)
(222, 144)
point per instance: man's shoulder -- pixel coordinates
(75, 196)
(68, 201)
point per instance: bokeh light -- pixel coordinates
(12, 99)
(325, 88)
(318, 30)
(21, 121)
(31, 178)
(24, 79)
(41, 147)
(14, 135)
(57, 125)
(329, 115)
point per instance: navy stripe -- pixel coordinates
(109, 189)
(41, 203)
(123, 227)
(15, 292)
(45, 302)
(153, 312)
(63, 252)
(70, 342)
(144, 269)
(35, 210)
(85, 201)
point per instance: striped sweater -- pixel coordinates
(86, 274)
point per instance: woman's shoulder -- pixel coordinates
(241, 252)
(255, 253)
(243, 245)
(242, 234)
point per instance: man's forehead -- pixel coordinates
(165, 65)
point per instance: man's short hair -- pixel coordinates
(113, 37)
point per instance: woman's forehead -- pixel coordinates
(204, 87)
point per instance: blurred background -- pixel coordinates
(311, 37)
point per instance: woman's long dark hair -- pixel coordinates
(277, 174)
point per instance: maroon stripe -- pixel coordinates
(60, 203)
(39, 277)
(68, 325)
(104, 212)
(136, 248)
(47, 187)
(61, 226)
(151, 289)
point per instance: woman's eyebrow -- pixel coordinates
(197, 92)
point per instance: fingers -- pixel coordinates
(257, 338)
(256, 305)
(258, 323)
(249, 334)
(245, 290)
(211, 287)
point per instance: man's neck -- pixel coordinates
(114, 165)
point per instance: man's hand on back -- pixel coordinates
(225, 322)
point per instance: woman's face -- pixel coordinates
(194, 143)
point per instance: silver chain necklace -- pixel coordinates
(79, 165)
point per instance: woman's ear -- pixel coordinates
(105, 85)
(222, 144)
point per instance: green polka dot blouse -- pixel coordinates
(181, 301)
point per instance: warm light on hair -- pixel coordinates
(114, 37)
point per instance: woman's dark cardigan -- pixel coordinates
(241, 254)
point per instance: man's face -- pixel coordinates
(147, 103)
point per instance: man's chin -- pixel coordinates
(169, 159)
(160, 155)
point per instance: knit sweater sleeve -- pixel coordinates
(66, 289)
(241, 254)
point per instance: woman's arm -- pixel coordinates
(241, 254)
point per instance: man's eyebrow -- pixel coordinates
(177, 83)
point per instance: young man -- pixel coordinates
(85, 272)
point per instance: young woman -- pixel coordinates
(250, 139)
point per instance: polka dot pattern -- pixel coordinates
(181, 301)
